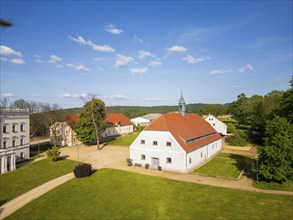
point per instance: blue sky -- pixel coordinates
(145, 53)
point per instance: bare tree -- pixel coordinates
(4, 102)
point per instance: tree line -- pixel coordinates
(269, 120)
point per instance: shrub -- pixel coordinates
(129, 162)
(237, 141)
(82, 170)
(159, 168)
(147, 166)
(53, 153)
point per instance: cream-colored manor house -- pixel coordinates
(14, 138)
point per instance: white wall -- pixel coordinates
(219, 126)
(161, 151)
(15, 117)
(117, 130)
(202, 154)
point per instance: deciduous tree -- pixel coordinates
(94, 114)
(276, 157)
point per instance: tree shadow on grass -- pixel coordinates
(2, 202)
(243, 162)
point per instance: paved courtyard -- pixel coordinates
(108, 156)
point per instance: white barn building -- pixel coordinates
(177, 142)
(14, 138)
(219, 126)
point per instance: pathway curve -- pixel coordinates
(20, 201)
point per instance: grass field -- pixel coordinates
(125, 140)
(29, 176)
(224, 165)
(35, 149)
(114, 194)
(287, 186)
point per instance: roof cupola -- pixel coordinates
(181, 103)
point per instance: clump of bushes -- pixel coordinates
(129, 162)
(82, 170)
(54, 154)
(238, 139)
(147, 166)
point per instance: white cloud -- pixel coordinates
(14, 60)
(80, 40)
(103, 48)
(155, 99)
(137, 39)
(176, 49)
(111, 28)
(39, 59)
(17, 61)
(8, 94)
(59, 66)
(122, 61)
(54, 59)
(117, 97)
(245, 68)
(217, 72)
(78, 67)
(142, 54)
(35, 95)
(96, 47)
(155, 63)
(139, 71)
(77, 95)
(7, 51)
(236, 86)
(191, 60)
(101, 59)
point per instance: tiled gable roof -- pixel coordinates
(112, 118)
(115, 118)
(71, 120)
(190, 131)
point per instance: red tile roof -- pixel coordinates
(71, 120)
(115, 118)
(191, 131)
(112, 118)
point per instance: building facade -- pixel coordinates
(219, 126)
(14, 138)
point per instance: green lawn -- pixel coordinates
(125, 140)
(224, 165)
(29, 176)
(34, 150)
(114, 194)
(287, 186)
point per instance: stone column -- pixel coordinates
(12, 162)
(4, 164)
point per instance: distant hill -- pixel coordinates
(136, 111)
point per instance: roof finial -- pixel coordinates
(181, 103)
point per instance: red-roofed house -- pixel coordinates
(117, 124)
(63, 132)
(176, 141)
